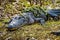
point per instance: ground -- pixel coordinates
(35, 31)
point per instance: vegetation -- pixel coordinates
(8, 8)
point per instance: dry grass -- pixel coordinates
(36, 31)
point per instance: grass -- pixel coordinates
(36, 31)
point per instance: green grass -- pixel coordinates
(1, 24)
(36, 31)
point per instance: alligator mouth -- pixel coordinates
(11, 29)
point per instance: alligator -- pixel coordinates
(29, 18)
(26, 18)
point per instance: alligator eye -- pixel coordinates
(19, 17)
(15, 17)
